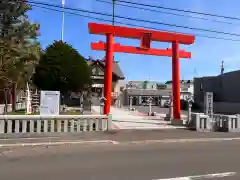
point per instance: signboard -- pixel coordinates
(208, 104)
(49, 102)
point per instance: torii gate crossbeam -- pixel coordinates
(145, 36)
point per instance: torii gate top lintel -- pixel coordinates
(137, 33)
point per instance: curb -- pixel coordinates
(145, 121)
(185, 140)
(119, 142)
(57, 143)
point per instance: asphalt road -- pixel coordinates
(121, 162)
(114, 135)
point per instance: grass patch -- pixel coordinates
(70, 113)
(22, 112)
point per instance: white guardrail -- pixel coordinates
(10, 124)
(218, 122)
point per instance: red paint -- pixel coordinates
(101, 46)
(108, 72)
(145, 37)
(145, 42)
(176, 81)
(137, 33)
(142, 114)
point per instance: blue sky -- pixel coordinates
(207, 54)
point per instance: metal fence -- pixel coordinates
(218, 122)
(10, 124)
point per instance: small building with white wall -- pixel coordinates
(160, 92)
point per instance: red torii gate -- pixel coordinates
(145, 36)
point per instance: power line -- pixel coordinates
(139, 20)
(181, 10)
(129, 24)
(170, 13)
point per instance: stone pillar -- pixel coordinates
(139, 100)
(130, 103)
(102, 103)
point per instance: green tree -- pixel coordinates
(145, 83)
(19, 49)
(62, 68)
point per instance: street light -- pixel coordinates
(150, 106)
(63, 19)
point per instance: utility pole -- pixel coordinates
(222, 67)
(113, 11)
(195, 73)
(63, 19)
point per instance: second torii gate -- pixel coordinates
(145, 36)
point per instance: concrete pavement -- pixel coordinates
(161, 112)
(123, 119)
(123, 162)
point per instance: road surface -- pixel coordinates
(122, 162)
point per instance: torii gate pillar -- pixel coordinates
(145, 36)
(176, 81)
(108, 72)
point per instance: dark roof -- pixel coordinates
(116, 68)
(148, 92)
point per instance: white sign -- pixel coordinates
(49, 102)
(208, 104)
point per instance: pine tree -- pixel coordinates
(62, 68)
(18, 46)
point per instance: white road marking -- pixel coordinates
(209, 176)
(57, 143)
(30, 138)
